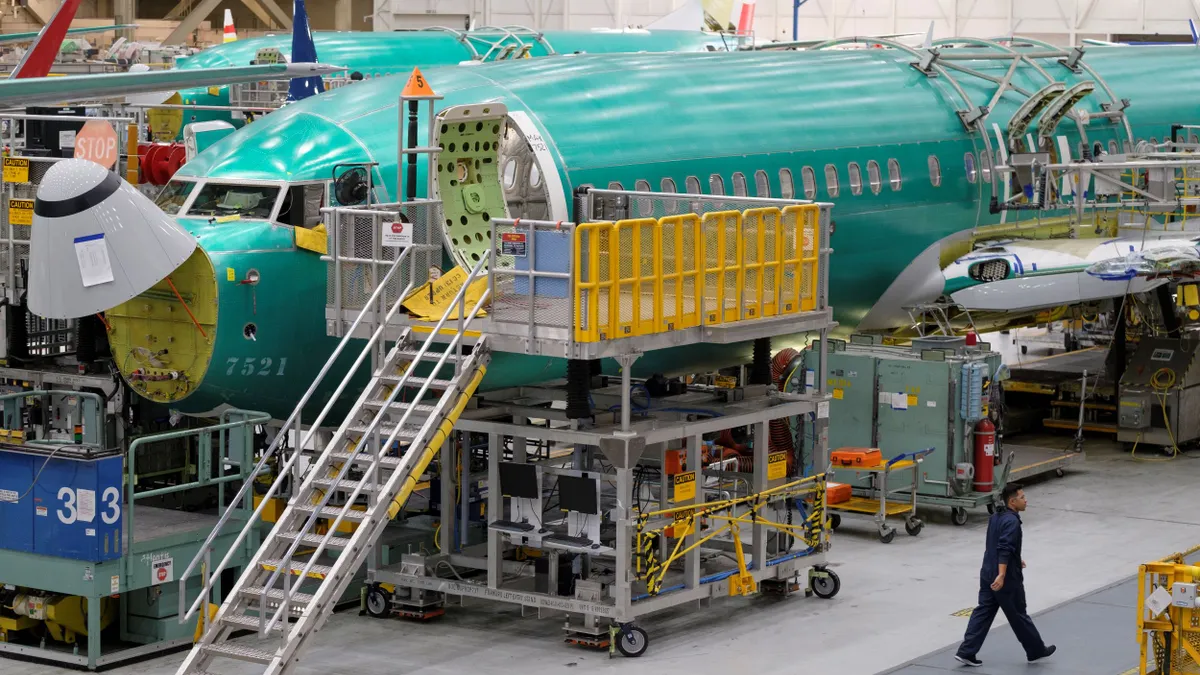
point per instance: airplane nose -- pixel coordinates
(97, 242)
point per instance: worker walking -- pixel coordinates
(1002, 584)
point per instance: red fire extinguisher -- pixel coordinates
(985, 453)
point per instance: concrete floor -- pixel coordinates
(1084, 532)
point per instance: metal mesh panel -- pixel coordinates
(530, 284)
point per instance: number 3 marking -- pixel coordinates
(67, 495)
(112, 499)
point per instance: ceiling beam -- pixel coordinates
(260, 11)
(191, 22)
(178, 10)
(281, 17)
(40, 10)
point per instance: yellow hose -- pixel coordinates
(435, 444)
(1162, 381)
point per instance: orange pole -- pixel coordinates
(186, 308)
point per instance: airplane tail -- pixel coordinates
(230, 31)
(688, 17)
(38, 61)
(745, 24)
(304, 50)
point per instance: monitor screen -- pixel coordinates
(578, 494)
(518, 480)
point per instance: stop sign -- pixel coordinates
(97, 141)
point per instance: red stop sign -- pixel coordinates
(397, 228)
(97, 141)
(162, 574)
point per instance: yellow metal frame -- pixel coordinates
(644, 276)
(1177, 626)
(696, 519)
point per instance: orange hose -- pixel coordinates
(104, 321)
(186, 308)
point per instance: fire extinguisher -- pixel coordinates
(985, 452)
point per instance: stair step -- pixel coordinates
(313, 539)
(332, 512)
(414, 381)
(276, 594)
(410, 354)
(232, 650)
(365, 458)
(420, 410)
(344, 485)
(385, 431)
(297, 566)
(250, 622)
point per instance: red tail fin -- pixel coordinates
(40, 57)
(746, 18)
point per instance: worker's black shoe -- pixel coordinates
(1050, 649)
(968, 660)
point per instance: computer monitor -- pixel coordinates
(578, 494)
(518, 480)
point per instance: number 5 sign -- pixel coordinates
(97, 141)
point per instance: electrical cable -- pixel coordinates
(1161, 389)
(38, 476)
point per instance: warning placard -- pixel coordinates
(776, 465)
(396, 234)
(16, 170)
(685, 486)
(430, 301)
(513, 244)
(20, 211)
(162, 571)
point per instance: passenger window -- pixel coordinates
(1193, 139)
(935, 171)
(739, 185)
(894, 178)
(668, 185)
(875, 176)
(641, 185)
(644, 207)
(616, 185)
(1128, 147)
(969, 163)
(510, 173)
(787, 189)
(985, 165)
(716, 184)
(810, 182)
(1112, 145)
(692, 185)
(762, 186)
(535, 176)
(831, 180)
(855, 179)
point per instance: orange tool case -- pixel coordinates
(857, 457)
(836, 493)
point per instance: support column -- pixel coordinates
(446, 536)
(761, 444)
(691, 559)
(623, 594)
(125, 11)
(464, 456)
(342, 19)
(93, 623)
(1115, 361)
(495, 504)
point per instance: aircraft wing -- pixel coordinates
(42, 90)
(29, 37)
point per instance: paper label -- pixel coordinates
(66, 139)
(8, 496)
(42, 510)
(685, 486)
(20, 211)
(810, 378)
(90, 532)
(114, 584)
(899, 401)
(162, 571)
(822, 410)
(931, 403)
(87, 574)
(776, 465)
(87, 506)
(396, 234)
(16, 170)
(989, 449)
(92, 253)
(513, 244)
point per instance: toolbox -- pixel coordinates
(857, 457)
(836, 493)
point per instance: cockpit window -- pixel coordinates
(247, 201)
(173, 196)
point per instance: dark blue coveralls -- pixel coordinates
(1003, 547)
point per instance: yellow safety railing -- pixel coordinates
(644, 276)
(1168, 634)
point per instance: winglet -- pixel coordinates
(929, 37)
(417, 86)
(303, 50)
(38, 61)
(230, 31)
(1195, 33)
(745, 23)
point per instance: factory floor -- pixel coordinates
(902, 608)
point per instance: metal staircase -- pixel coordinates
(373, 462)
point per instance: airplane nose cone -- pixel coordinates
(97, 242)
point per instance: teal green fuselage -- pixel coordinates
(653, 117)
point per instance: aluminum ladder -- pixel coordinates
(380, 452)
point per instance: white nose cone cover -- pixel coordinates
(97, 242)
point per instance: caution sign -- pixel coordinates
(398, 234)
(162, 570)
(776, 465)
(685, 486)
(20, 212)
(417, 85)
(513, 244)
(430, 301)
(16, 170)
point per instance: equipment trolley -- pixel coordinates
(877, 505)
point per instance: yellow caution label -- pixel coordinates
(20, 212)
(838, 394)
(431, 300)
(683, 515)
(912, 400)
(776, 465)
(685, 486)
(230, 274)
(16, 170)
(725, 382)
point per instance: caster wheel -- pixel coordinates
(826, 585)
(958, 516)
(913, 527)
(378, 603)
(991, 508)
(1059, 472)
(887, 535)
(633, 641)
(835, 521)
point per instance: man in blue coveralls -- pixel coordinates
(1002, 584)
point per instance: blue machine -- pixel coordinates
(65, 504)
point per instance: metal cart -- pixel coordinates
(876, 505)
